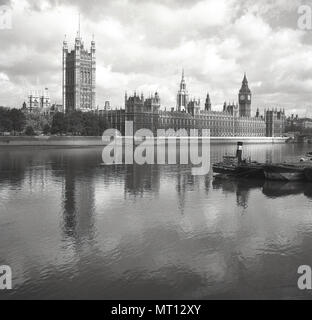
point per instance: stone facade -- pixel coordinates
(188, 115)
(221, 124)
(146, 114)
(79, 76)
(275, 123)
(113, 119)
(296, 124)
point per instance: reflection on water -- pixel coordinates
(275, 189)
(72, 228)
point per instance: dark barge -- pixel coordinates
(239, 167)
(288, 171)
(308, 174)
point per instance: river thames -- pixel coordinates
(71, 228)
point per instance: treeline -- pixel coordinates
(77, 123)
(298, 128)
(12, 120)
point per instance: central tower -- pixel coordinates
(182, 97)
(244, 98)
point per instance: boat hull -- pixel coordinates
(308, 174)
(284, 173)
(245, 171)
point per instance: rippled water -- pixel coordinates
(71, 228)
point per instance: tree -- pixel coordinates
(58, 124)
(5, 121)
(77, 123)
(37, 120)
(74, 122)
(46, 129)
(90, 124)
(103, 124)
(29, 131)
(18, 120)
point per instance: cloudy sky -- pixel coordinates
(143, 45)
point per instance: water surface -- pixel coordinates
(71, 228)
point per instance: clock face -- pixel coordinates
(242, 98)
(249, 97)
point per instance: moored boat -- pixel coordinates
(284, 172)
(236, 166)
(244, 170)
(308, 174)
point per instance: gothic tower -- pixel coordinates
(65, 53)
(208, 103)
(79, 72)
(93, 74)
(182, 97)
(244, 99)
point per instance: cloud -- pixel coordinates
(143, 45)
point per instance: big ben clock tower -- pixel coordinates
(244, 99)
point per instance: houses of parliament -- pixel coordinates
(235, 120)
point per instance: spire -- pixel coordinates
(208, 103)
(65, 42)
(245, 88)
(183, 84)
(79, 26)
(93, 43)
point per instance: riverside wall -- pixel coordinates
(75, 141)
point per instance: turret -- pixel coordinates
(208, 103)
(77, 42)
(224, 107)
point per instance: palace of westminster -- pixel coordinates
(79, 93)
